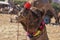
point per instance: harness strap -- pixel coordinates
(39, 31)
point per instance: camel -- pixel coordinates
(32, 19)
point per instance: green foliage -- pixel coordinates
(19, 2)
(56, 6)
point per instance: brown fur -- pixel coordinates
(31, 21)
(45, 6)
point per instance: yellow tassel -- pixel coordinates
(38, 32)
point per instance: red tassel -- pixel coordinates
(41, 28)
(27, 5)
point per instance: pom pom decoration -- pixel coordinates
(27, 5)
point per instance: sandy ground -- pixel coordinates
(9, 31)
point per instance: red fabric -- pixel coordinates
(42, 26)
(27, 5)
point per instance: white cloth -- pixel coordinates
(10, 9)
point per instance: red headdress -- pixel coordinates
(27, 5)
